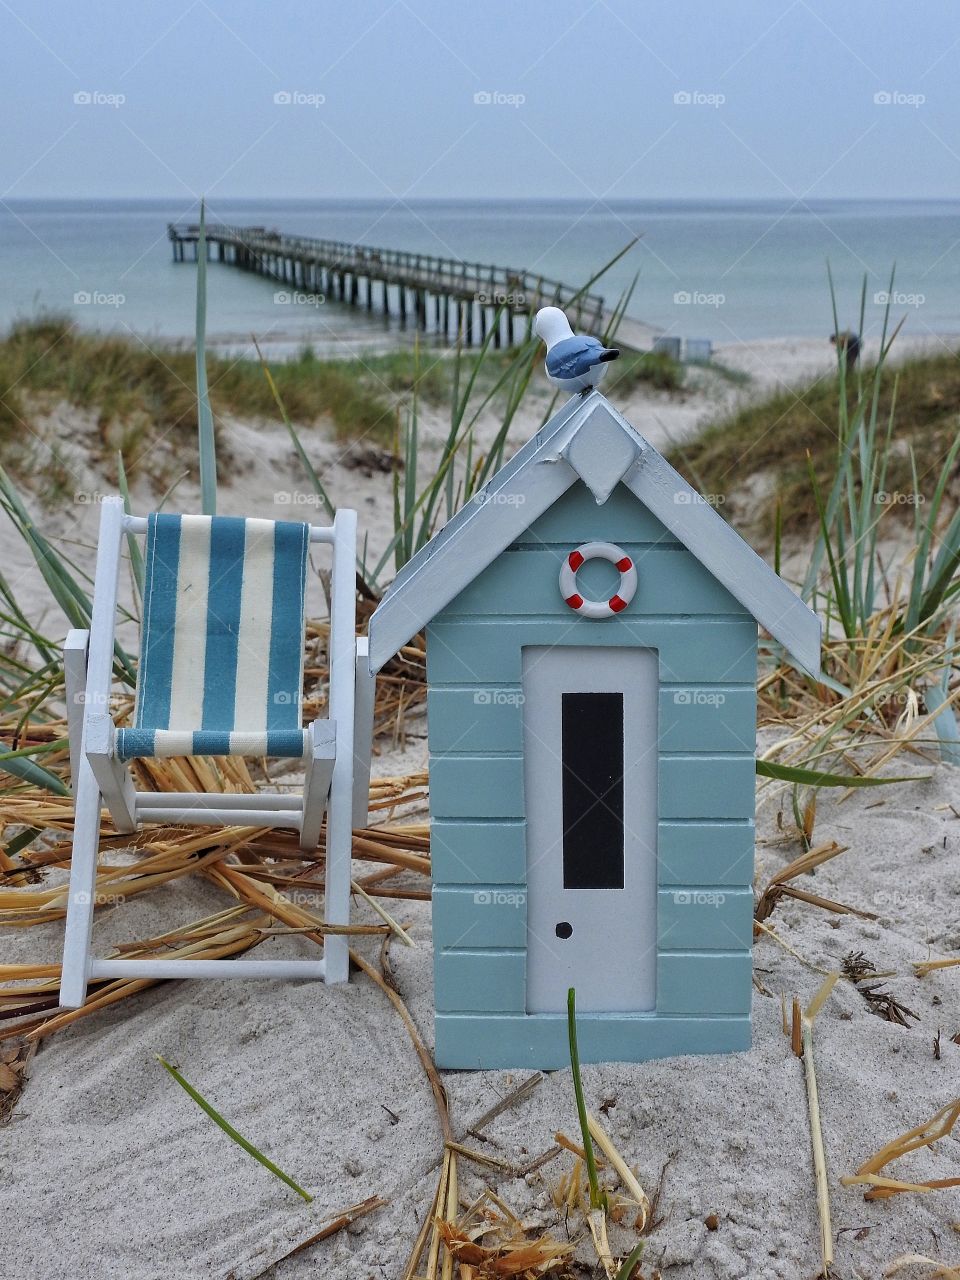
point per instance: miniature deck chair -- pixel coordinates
(221, 673)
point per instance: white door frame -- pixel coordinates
(610, 953)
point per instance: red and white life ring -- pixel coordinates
(598, 608)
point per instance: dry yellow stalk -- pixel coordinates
(940, 1269)
(384, 915)
(627, 1177)
(924, 1135)
(801, 1042)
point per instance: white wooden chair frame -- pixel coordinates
(337, 774)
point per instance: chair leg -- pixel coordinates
(75, 678)
(336, 894)
(83, 881)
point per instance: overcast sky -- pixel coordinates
(441, 98)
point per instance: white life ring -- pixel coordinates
(598, 608)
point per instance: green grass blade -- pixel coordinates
(626, 1271)
(21, 841)
(229, 1130)
(54, 568)
(836, 562)
(301, 453)
(133, 545)
(811, 778)
(598, 1199)
(21, 766)
(207, 440)
(21, 627)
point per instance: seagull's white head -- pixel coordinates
(552, 325)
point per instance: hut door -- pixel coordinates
(590, 781)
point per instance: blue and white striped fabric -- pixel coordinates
(221, 663)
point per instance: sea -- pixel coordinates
(726, 271)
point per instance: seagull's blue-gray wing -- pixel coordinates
(574, 356)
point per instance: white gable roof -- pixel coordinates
(586, 440)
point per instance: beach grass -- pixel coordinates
(137, 387)
(655, 369)
(775, 435)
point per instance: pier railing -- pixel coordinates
(482, 293)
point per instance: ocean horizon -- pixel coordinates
(725, 269)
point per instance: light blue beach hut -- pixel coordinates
(591, 629)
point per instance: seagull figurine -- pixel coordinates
(575, 361)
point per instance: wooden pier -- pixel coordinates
(442, 296)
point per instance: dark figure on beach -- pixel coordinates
(849, 343)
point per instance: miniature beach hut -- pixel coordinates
(591, 628)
